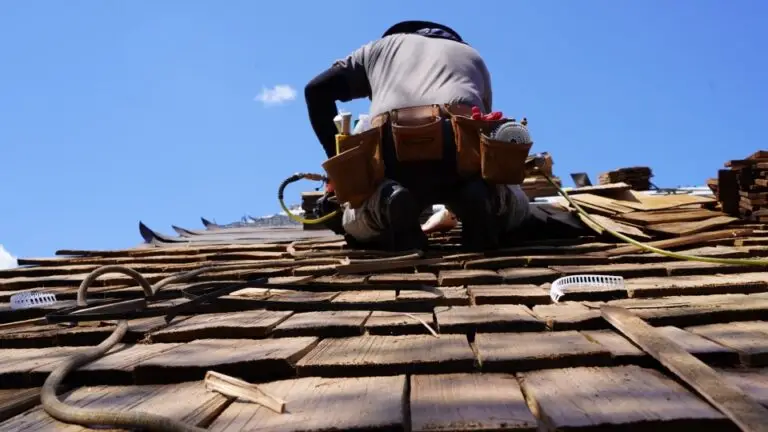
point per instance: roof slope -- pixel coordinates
(447, 340)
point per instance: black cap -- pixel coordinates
(414, 26)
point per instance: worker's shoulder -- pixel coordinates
(411, 44)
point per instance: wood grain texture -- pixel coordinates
(365, 298)
(250, 360)
(624, 270)
(745, 412)
(468, 277)
(526, 294)
(467, 402)
(535, 276)
(404, 278)
(388, 355)
(17, 364)
(697, 285)
(617, 398)
(512, 352)
(488, 318)
(749, 338)
(322, 404)
(684, 311)
(704, 349)
(322, 324)
(622, 350)
(397, 324)
(570, 316)
(235, 325)
(692, 227)
(16, 401)
(190, 403)
(115, 368)
(753, 382)
(452, 296)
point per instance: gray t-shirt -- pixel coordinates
(406, 70)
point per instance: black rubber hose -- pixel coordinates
(91, 417)
(130, 419)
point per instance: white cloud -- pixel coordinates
(7, 261)
(278, 94)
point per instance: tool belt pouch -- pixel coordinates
(358, 169)
(466, 132)
(417, 133)
(502, 162)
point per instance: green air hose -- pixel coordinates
(620, 236)
(292, 179)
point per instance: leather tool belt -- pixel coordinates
(418, 135)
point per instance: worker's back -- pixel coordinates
(407, 70)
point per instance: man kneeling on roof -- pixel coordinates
(433, 139)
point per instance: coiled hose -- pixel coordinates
(92, 417)
(292, 179)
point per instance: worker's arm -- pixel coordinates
(344, 81)
(488, 95)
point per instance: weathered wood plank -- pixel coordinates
(115, 368)
(41, 336)
(701, 348)
(570, 316)
(453, 296)
(322, 324)
(462, 402)
(17, 364)
(235, 325)
(509, 294)
(468, 277)
(190, 403)
(697, 285)
(365, 298)
(322, 404)
(622, 350)
(510, 352)
(404, 279)
(488, 318)
(536, 276)
(753, 382)
(617, 398)
(388, 355)
(685, 311)
(742, 410)
(397, 324)
(749, 338)
(624, 270)
(16, 401)
(250, 360)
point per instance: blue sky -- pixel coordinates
(113, 112)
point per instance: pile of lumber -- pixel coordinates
(535, 184)
(646, 217)
(638, 178)
(742, 188)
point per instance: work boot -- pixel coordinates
(401, 212)
(479, 226)
(328, 204)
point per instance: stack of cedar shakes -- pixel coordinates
(536, 185)
(638, 178)
(673, 220)
(742, 188)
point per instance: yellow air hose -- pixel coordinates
(292, 179)
(734, 261)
